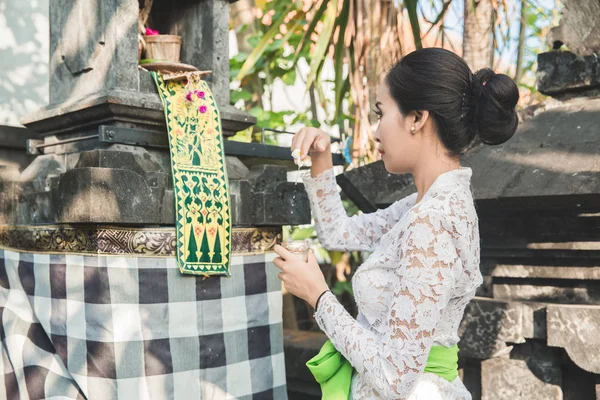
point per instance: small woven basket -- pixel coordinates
(163, 47)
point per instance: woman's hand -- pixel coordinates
(311, 141)
(301, 278)
(317, 144)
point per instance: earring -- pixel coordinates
(412, 129)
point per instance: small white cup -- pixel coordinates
(299, 248)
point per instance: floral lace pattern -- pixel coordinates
(411, 291)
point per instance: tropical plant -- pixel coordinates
(360, 38)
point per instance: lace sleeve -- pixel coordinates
(391, 363)
(337, 231)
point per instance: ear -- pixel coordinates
(420, 117)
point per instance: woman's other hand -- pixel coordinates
(301, 278)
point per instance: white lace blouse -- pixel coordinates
(411, 291)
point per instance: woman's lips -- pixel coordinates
(381, 152)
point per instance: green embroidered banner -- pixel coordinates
(200, 185)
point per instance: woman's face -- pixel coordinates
(398, 146)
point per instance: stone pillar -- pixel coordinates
(98, 185)
(93, 48)
(101, 143)
(205, 26)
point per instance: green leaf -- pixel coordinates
(276, 45)
(318, 55)
(301, 118)
(321, 96)
(411, 8)
(261, 46)
(310, 30)
(237, 95)
(254, 40)
(289, 78)
(336, 256)
(303, 233)
(324, 254)
(243, 136)
(257, 112)
(531, 19)
(340, 49)
(342, 287)
(239, 58)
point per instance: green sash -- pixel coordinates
(200, 185)
(334, 373)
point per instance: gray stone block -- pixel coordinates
(551, 291)
(575, 328)
(36, 208)
(546, 363)
(168, 208)
(235, 168)
(488, 325)
(579, 27)
(285, 204)
(242, 203)
(263, 177)
(263, 197)
(562, 74)
(106, 195)
(503, 379)
(547, 271)
(371, 185)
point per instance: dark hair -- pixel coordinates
(462, 104)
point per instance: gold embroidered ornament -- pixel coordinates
(200, 185)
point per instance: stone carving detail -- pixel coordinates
(144, 242)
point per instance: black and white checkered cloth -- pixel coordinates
(107, 327)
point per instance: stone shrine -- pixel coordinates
(86, 193)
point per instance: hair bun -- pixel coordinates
(483, 76)
(496, 96)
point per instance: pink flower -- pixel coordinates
(151, 32)
(200, 95)
(202, 109)
(188, 96)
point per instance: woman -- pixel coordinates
(412, 290)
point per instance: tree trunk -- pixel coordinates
(477, 35)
